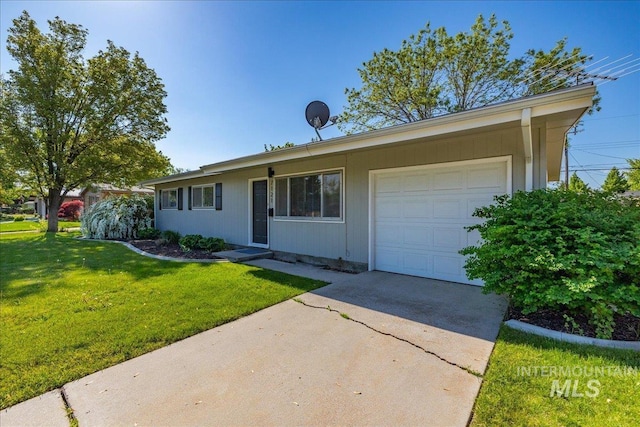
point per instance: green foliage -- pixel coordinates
(633, 174)
(18, 218)
(561, 250)
(68, 122)
(278, 147)
(434, 73)
(577, 185)
(196, 241)
(615, 182)
(170, 236)
(148, 233)
(116, 217)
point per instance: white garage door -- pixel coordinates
(419, 215)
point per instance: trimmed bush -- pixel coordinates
(196, 241)
(71, 210)
(18, 218)
(116, 218)
(148, 233)
(171, 236)
(553, 249)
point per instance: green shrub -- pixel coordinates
(18, 218)
(196, 241)
(171, 236)
(148, 233)
(190, 242)
(561, 250)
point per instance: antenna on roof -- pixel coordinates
(317, 114)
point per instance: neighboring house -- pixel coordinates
(395, 199)
(40, 205)
(91, 195)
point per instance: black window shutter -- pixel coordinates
(159, 199)
(219, 196)
(189, 198)
(180, 197)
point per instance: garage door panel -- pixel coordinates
(447, 208)
(389, 184)
(389, 260)
(418, 236)
(449, 238)
(450, 180)
(420, 216)
(487, 178)
(389, 235)
(416, 207)
(447, 265)
(416, 182)
(417, 263)
(387, 208)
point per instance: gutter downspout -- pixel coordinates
(527, 140)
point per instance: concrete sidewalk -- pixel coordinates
(369, 349)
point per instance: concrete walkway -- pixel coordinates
(369, 349)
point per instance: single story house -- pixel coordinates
(395, 199)
(94, 193)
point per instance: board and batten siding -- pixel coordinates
(346, 239)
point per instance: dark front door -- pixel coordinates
(259, 217)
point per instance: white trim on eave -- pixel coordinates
(575, 98)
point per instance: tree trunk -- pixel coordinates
(55, 200)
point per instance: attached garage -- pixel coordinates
(418, 215)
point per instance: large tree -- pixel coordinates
(577, 185)
(633, 174)
(615, 182)
(434, 73)
(67, 122)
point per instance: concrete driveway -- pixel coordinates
(369, 349)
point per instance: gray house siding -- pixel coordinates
(347, 239)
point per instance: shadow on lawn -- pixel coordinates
(37, 259)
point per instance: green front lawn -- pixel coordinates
(35, 225)
(21, 226)
(604, 384)
(70, 307)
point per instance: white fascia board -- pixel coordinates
(511, 111)
(172, 178)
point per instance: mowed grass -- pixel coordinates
(513, 393)
(21, 226)
(35, 226)
(70, 307)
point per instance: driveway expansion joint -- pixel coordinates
(67, 407)
(347, 317)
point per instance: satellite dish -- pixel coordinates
(317, 114)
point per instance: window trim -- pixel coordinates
(165, 207)
(332, 220)
(214, 206)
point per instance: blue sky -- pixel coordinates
(240, 74)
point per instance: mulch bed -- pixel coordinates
(172, 250)
(627, 328)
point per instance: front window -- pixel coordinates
(313, 196)
(207, 196)
(170, 199)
